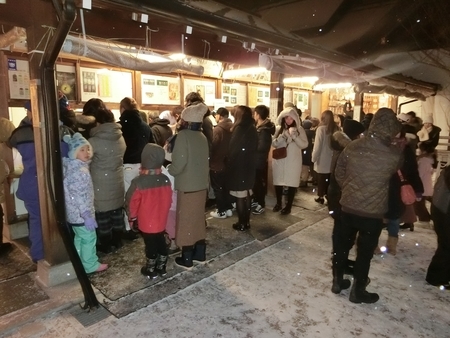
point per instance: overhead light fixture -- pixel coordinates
(177, 56)
(277, 51)
(243, 71)
(223, 38)
(188, 30)
(307, 79)
(332, 85)
(87, 4)
(139, 17)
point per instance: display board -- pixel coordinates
(206, 89)
(19, 79)
(234, 94)
(160, 89)
(258, 95)
(107, 85)
(66, 81)
(300, 99)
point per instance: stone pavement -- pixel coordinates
(280, 290)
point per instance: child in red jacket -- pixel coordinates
(148, 202)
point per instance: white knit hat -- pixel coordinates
(427, 118)
(404, 118)
(194, 113)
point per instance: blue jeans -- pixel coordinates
(393, 226)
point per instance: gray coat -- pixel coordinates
(190, 165)
(106, 166)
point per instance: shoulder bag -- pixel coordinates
(406, 190)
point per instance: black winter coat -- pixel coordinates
(161, 131)
(265, 132)
(136, 133)
(240, 163)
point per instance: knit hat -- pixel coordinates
(194, 113)
(427, 118)
(152, 156)
(27, 105)
(403, 118)
(289, 105)
(75, 143)
(352, 128)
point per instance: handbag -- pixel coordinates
(406, 190)
(279, 153)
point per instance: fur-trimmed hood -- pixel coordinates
(289, 112)
(339, 140)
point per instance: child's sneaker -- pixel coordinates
(233, 206)
(254, 205)
(258, 210)
(217, 214)
(229, 213)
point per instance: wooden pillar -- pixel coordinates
(276, 94)
(358, 107)
(55, 252)
(9, 206)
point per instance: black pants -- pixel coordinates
(323, 180)
(439, 269)
(1, 224)
(218, 183)
(368, 231)
(260, 187)
(155, 244)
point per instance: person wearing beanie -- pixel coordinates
(79, 200)
(352, 130)
(147, 201)
(431, 131)
(190, 168)
(22, 138)
(364, 200)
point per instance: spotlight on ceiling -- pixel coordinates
(188, 30)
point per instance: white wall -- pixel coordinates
(16, 114)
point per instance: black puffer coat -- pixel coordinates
(265, 131)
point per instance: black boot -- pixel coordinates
(161, 262)
(339, 283)
(186, 257)
(358, 294)
(149, 269)
(5, 248)
(116, 239)
(290, 199)
(279, 195)
(199, 252)
(104, 243)
(241, 208)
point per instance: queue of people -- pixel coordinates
(152, 178)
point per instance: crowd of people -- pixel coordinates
(152, 175)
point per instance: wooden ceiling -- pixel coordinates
(353, 33)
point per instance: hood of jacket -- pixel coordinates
(225, 124)
(266, 125)
(6, 129)
(339, 140)
(289, 112)
(384, 125)
(107, 131)
(161, 122)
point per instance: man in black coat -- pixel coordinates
(265, 129)
(137, 134)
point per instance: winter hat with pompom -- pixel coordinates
(75, 143)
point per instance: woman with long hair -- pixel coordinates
(241, 164)
(286, 171)
(322, 153)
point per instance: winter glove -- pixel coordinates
(89, 222)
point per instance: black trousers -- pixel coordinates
(260, 187)
(155, 244)
(323, 180)
(368, 231)
(218, 183)
(439, 269)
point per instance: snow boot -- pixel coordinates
(339, 283)
(149, 269)
(104, 243)
(199, 252)
(391, 245)
(358, 293)
(161, 262)
(186, 257)
(116, 239)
